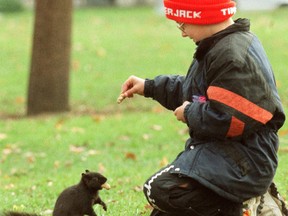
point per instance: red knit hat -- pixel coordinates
(201, 12)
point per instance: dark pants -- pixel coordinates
(173, 195)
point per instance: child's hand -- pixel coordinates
(179, 112)
(133, 85)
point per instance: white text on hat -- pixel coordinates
(183, 13)
(228, 11)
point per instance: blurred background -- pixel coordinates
(241, 4)
(67, 61)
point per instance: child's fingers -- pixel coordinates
(121, 98)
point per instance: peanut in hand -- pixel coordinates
(120, 98)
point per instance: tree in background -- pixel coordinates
(48, 89)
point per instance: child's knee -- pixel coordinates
(152, 191)
(157, 192)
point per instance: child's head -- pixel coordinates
(199, 12)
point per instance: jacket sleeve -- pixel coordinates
(240, 99)
(167, 90)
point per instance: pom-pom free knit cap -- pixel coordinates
(201, 12)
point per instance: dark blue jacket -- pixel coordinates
(234, 114)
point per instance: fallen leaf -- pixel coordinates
(157, 109)
(112, 201)
(98, 118)
(93, 152)
(101, 168)
(147, 206)
(47, 212)
(75, 65)
(30, 157)
(138, 188)
(146, 136)
(3, 136)
(130, 155)
(9, 186)
(59, 124)
(77, 130)
(68, 164)
(9, 149)
(283, 132)
(183, 131)
(18, 172)
(124, 138)
(121, 192)
(283, 150)
(18, 208)
(157, 127)
(76, 149)
(164, 162)
(20, 100)
(56, 164)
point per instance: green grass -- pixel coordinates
(55, 150)
(128, 142)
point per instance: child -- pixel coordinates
(229, 101)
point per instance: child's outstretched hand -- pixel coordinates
(133, 85)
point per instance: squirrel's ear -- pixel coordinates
(87, 171)
(84, 174)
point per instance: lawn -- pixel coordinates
(41, 156)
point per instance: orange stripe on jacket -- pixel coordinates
(239, 103)
(236, 127)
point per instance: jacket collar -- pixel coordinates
(206, 44)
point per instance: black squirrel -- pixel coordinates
(77, 200)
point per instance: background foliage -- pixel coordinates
(128, 142)
(8, 6)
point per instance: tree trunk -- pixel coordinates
(50, 65)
